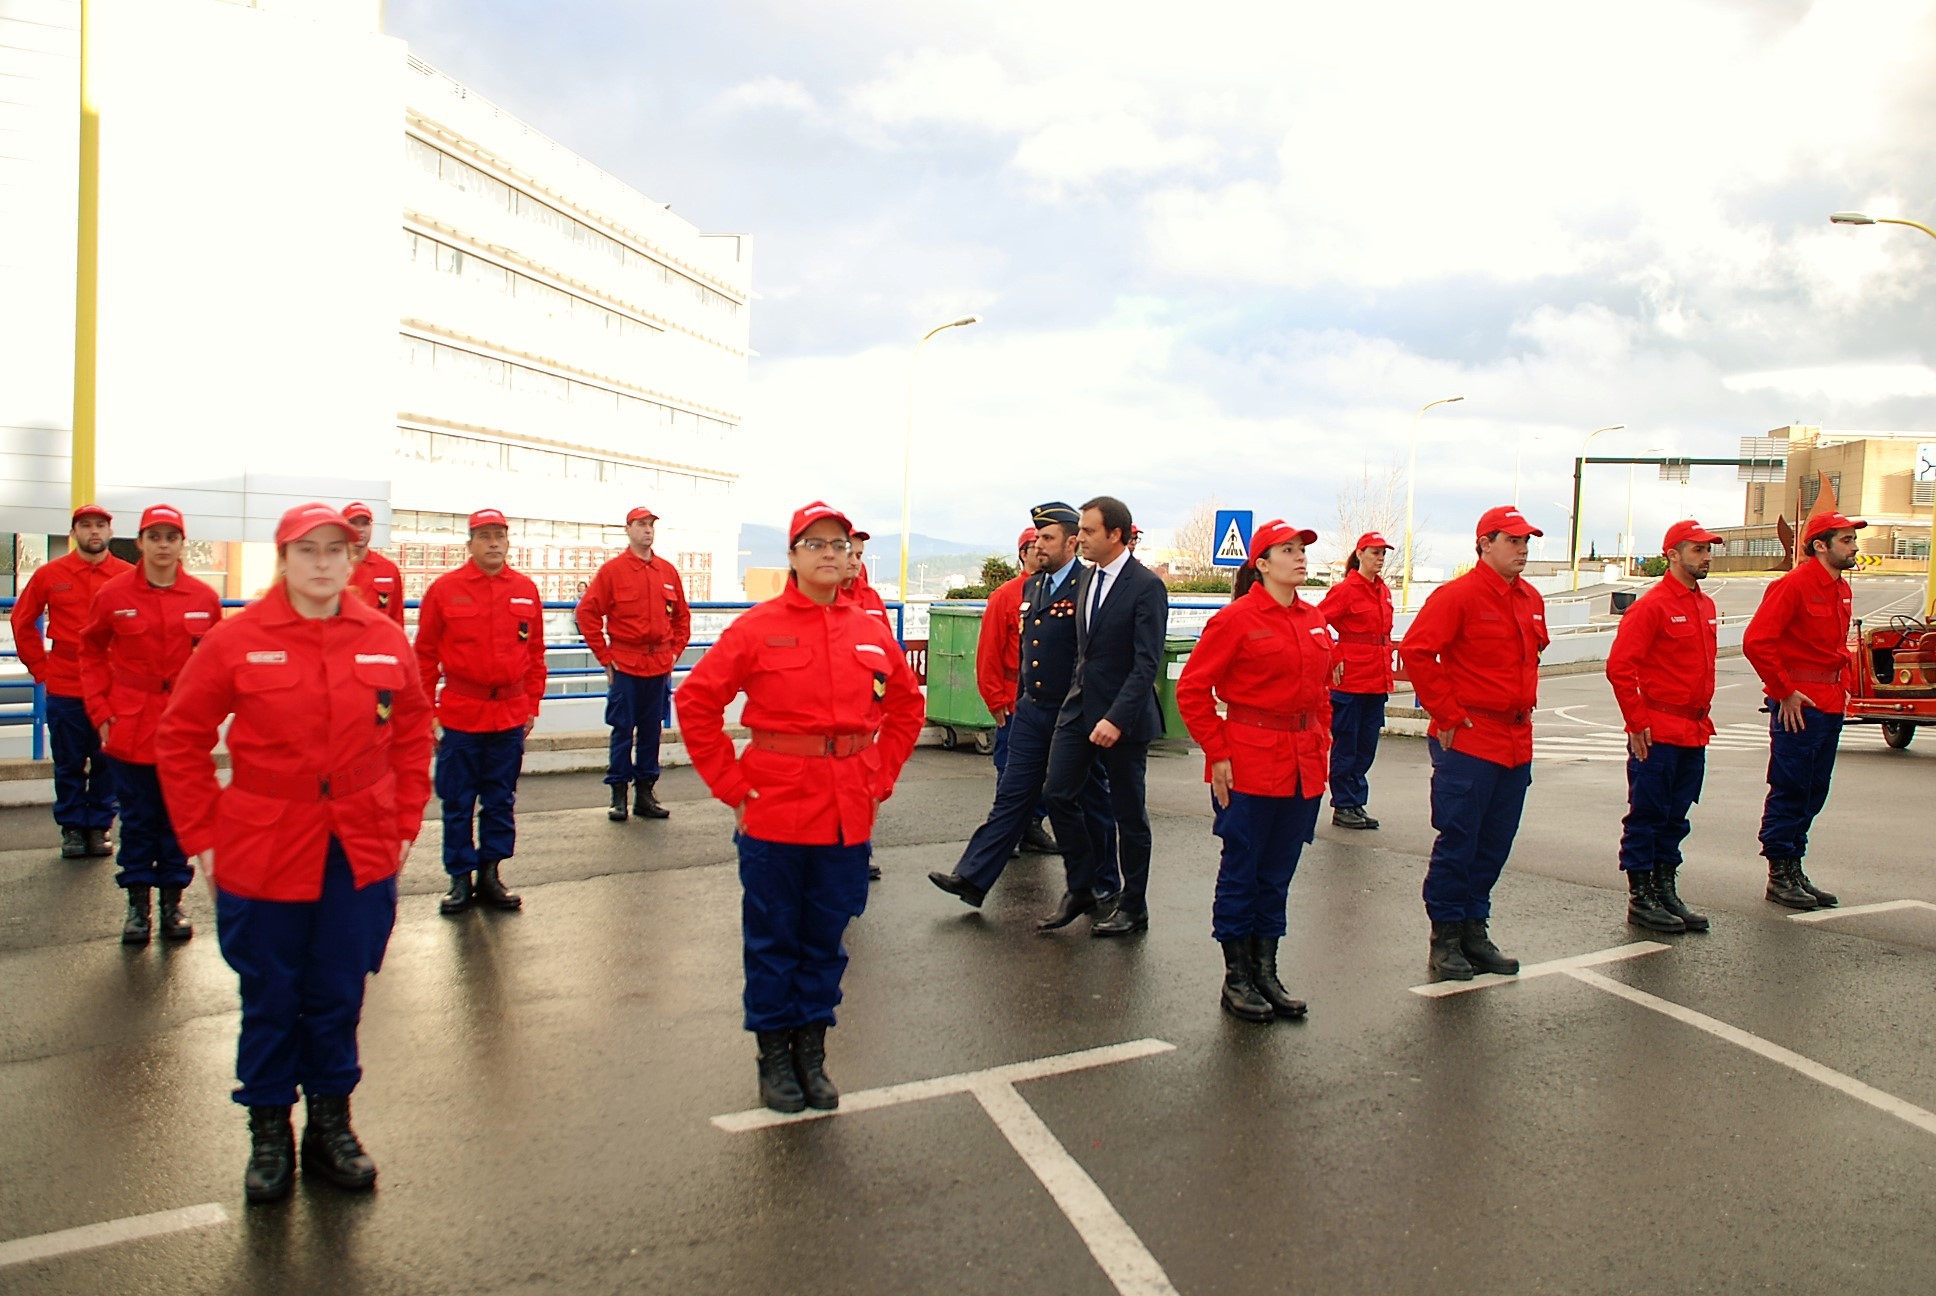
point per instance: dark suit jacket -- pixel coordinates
(1117, 658)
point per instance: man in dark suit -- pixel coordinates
(1110, 717)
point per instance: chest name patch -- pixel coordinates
(276, 658)
(375, 659)
(876, 649)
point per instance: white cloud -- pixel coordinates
(767, 92)
(1862, 383)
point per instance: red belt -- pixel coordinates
(1816, 676)
(790, 744)
(1514, 718)
(1696, 714)
(485, 692)
(1363, 637)
(314, 787)
(1283, 721)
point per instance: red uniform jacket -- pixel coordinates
(331, 738)
(1662, 664)
(1472, 653)
(1271, 665)
(64, 588)
(484, 635)
(634, 615)
(869, 600)
(134, 646)
(805, 669)
(377, 582)
(1360, 610)
(998, 651)
(1799, 637)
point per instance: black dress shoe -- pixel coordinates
(1072, 907)
(73, 844)
(956, 885)
(1121, 922)
(1037, 841)
(98, 844)
(1352, 817)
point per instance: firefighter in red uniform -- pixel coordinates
(1267, 657)
(481, 629)
(330, 757)
(1473, 655)
(636, 623)
(834, 711)
(145, 623)
(1798, 643)
(998, 670)
(860, 588)
(64, 588)
(1359, 608)
(375, 578)
(1662, 671)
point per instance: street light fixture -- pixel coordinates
(1411, 483)
(1863, 218)
(907, 443)
(1577, 491)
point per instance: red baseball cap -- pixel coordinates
(1508, 519)
(861, 535)
(358, 509)
(1372, 540)
(90, 510)
(304, 518)
(640, 512)
(488, 517)
(1829, 522)
(1276, 532)
(162, 515)
(1025, 539)
(808, 514)
(1688, 531)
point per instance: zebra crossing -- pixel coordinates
(1611, 744)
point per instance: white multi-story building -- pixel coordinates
(328, 270)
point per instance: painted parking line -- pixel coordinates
(45, 1246)
(1127, 1263)
(1619, 953)
(1881, 906)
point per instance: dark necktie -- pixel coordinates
(1095, 603)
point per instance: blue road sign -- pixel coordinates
(1233, 537)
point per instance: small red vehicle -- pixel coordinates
(1895, 678)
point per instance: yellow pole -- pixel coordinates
(86, 271)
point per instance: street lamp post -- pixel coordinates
(1579, 473)
(1411, 483)
(1929, 582)
(907, 442)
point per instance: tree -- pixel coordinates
(1196, 539)
(1376, 502)
(996, 572)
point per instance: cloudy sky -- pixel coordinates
(1228, 250)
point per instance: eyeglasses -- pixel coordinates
(817, 545)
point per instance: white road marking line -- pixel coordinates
(1881, 906)
(1884, 1102)
(1565, 713)
(1619, 953)
(917, 1090)
(86, 1238)
(1117, 1249)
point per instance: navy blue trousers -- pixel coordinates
(149, 855)
(1660, 792)
(1018, 794)
(1799, 768)
(1263, 836)
(1000, 755)
(635, 708)
(302, 965)
(477, 776)
(1476, 806)
(1087, 860)
(796, 905)
(1356, 721)
(83, 784)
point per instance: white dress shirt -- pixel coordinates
(1108, 576)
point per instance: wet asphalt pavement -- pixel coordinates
(539, 1086)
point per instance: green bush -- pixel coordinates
(1202, 585)
(1655, 566)
(968, 592)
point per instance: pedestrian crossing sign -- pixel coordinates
(1233, 537)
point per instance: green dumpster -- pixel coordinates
(954, 702)
(1175, 653)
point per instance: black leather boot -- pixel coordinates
(1240, 997)
(1447, 961)
(1665, 889)
(73, 843)
(1037, 840)
(618, 813)
(1263, 962)
(490, 888)
(174, 924)
(1644, 907)
(1481, 953)
(1352, 817)
(810, 1067)
(98, 843)
(1785, 889)
(1823, 898)
(330, 1147)
(779, 1085)
(272, 1155)
(136, 929)
(644, 804)
(459, 897)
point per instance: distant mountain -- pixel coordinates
(765, 546)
